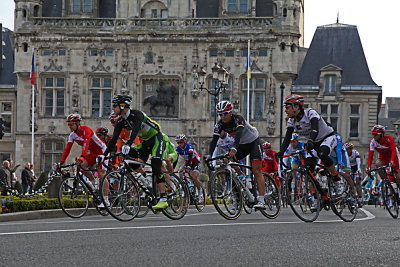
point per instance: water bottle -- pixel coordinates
(248, 182)
(149, 180)
(191, 185)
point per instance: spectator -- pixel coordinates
(34, 178)
(27, 178)
(12, 169)
(5, 177)
(53, 170)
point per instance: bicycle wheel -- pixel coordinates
(73, 197)
(306, 201)
(177, 198)
(200, 205)
(390, 199)
(124, 196)
(272, 198)
(144, 209)
(343, 198)
(248, 208)
(96, 202)
(226, 194)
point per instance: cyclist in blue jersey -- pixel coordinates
(294, 161)
(192, 161)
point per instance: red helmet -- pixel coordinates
(102, 130)
(294, 99)
(378, 129)
(266, 145)
(224, 106)
(74, 118)
(348, 146)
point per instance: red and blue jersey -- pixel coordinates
(186, 151)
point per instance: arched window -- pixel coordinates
(24, 13)
(284, 13)
(36, 11)
(25, 47)
(293, 48)
(282, 46)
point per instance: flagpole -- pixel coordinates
(248, 90)
(33, 103)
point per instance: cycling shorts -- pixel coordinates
(254, 149)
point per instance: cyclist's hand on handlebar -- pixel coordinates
(279, 155)
(125, 149)
(368, 170)
(310, 144)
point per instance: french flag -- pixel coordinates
(33, 68)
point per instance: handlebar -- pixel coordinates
(221, 156)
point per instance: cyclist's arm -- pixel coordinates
(115, 136)
(370, 155)
(238, 135)
(358, 160)
(213, 144)
(86, 141)
(286, 140)
(393, 149)
(66, 151)
(137, 124)
(314, 129)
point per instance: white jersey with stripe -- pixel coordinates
(353, 156)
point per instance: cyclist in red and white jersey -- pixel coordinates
(92, 146)
(388, 153)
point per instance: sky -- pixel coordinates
(377, 23)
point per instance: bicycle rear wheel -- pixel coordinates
(226, 194)
(306, 201)
(73, 197)
(124, 196)
(343, 198)
(272, 198)
(390, 199)
(200, 205)
(177, 198)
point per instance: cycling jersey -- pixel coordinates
(296, 158)
(169, 149)
(186, 151)
(355, 161)
(339, 155)
(387, 150)
(269, 163)
(303, 126)
(138, 123)
(92, 145)
(224, 143)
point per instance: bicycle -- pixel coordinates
(193, 192)
(74, 193)
(227, 188)
(311, 197)
(125, 198)
(389, 196)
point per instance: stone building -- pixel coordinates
(86, 51)
(335, 80)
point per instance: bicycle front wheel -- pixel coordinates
(306, 200)
(390, 199)
(343, 198)
(226, 194)
(272, 198)
(177, 198)
(73, 197)
(123, 196)
(200, 203)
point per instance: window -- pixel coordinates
(82, 6)
(260, 83)
(237, 6)
(324, 109)
(213, 52)
(330, 84)
(51, 152)
(256, 105)
(229, 53)
(149, 58)
(244, 53)
(354, 109)
(6, 114)
(330, 113)
(109, 53)
(284, 12)
(94, 53)
(262, 53)
(334, 109)
(154, 13)
(61, 52)
(46, 52)
(101, 95)
(54, 95)
(354, 127)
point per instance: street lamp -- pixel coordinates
(221, 77)
(280, 129)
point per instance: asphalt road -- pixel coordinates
(203, 239)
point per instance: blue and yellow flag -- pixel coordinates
(248, 66)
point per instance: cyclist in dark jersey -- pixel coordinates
(247, 142)
(139, 124)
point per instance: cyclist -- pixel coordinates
(307, 122)
(192, 161)
(269, 163)
(92, 146)
(388, 153)
(152, 140)
(355, 165)
(293, 162)
(102, 133)
(225, 143)
(247, 142)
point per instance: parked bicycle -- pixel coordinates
(126, 197)
(74, 193)
(389, 196)
(311, 197)
(230, 194)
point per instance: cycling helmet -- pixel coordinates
(295, 137)
(180, 138)
(266, 145)
(294, 99)
(122, 100)
(348, 145)
(223, 106)
(102, 130)
(73, 118)
(378, 129)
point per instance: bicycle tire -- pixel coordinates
(144, 209)
(226, 189)
(200, 205)
(301, 201)
(272, 198)
(96, 203)
(246, 206)
(124, 197)
(390, 199)
(343, 198)
(177, 198)
(73, 197)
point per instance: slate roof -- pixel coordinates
(340, 45)
(7, 76)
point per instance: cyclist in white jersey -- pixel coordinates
(355, 165)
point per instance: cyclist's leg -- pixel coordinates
(324, 150)
(379, 163)
(90, 160)
(158, 147)
(256, 166)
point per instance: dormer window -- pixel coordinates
(330, 84)
(82, 6)
(238, 6)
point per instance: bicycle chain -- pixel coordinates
(37, 192)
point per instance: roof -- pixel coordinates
(340, 45)
(7, 76)
(53, 8)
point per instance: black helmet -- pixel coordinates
(102, 130)
(122, 100)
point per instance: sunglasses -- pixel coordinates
(115, 105)
(180, 142)
(71, 124)
(374, 134)
(223, 114)
(99, 134)
(287, 106)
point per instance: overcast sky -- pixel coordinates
(377, 22)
